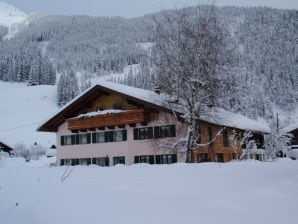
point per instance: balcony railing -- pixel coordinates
(101, 121)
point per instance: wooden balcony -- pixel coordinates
(108, 120)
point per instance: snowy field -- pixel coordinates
(237, 192)
(22, 109)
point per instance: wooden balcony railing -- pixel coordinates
(100, 121)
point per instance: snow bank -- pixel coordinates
(250, 192)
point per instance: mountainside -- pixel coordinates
(9, 15)
(22, 109)
(261, 43)
(11, 20)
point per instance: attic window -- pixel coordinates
(117, 107)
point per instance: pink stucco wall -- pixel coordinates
(129, 148)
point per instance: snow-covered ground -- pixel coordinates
(22, 109)
(236, 192)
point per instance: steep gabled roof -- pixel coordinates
(151, 100)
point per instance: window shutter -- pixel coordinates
(107, 161)
(174, 158)
(88, 138)
(135, 133)
(151, 159)
(173, 130)
(93, 137)
(88, 161)
(157, 159)
(73, 139)
(124, 135)
(111, 136)
(156, 132)
(137, 159)
(150, 132)
(77, 139)
(106, 136)
(62, 142)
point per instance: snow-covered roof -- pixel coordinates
(218, 116)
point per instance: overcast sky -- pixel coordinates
(129, 8)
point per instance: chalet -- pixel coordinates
(5, 147)
(111, 124)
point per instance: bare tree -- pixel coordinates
(186, 57)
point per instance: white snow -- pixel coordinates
(12, 18)
(22, 109)
(208, 193)
(9, 15)
(100, 112)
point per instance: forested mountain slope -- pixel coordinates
(263, 42)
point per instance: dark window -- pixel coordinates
(111, 136)
(146, 133)
(88, 161)
(225, 138)
(168, 131)
(73, 162)
(62, 162)
(219, 158)
(202, 157)
(166, 159)
(144, 159)
(119, 160)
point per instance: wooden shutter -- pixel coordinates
(151, 159)
(88, 161)
(135, 133)
(94, 137)
(73, 139)
(150, 132)
(156, 132)
(77, 139)
(106, 136)
(124, 135)
(174, 158)
(137, 159)
(62, 142)
(111, 136)
(157, 159)
(173, 130)
(88, 138)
